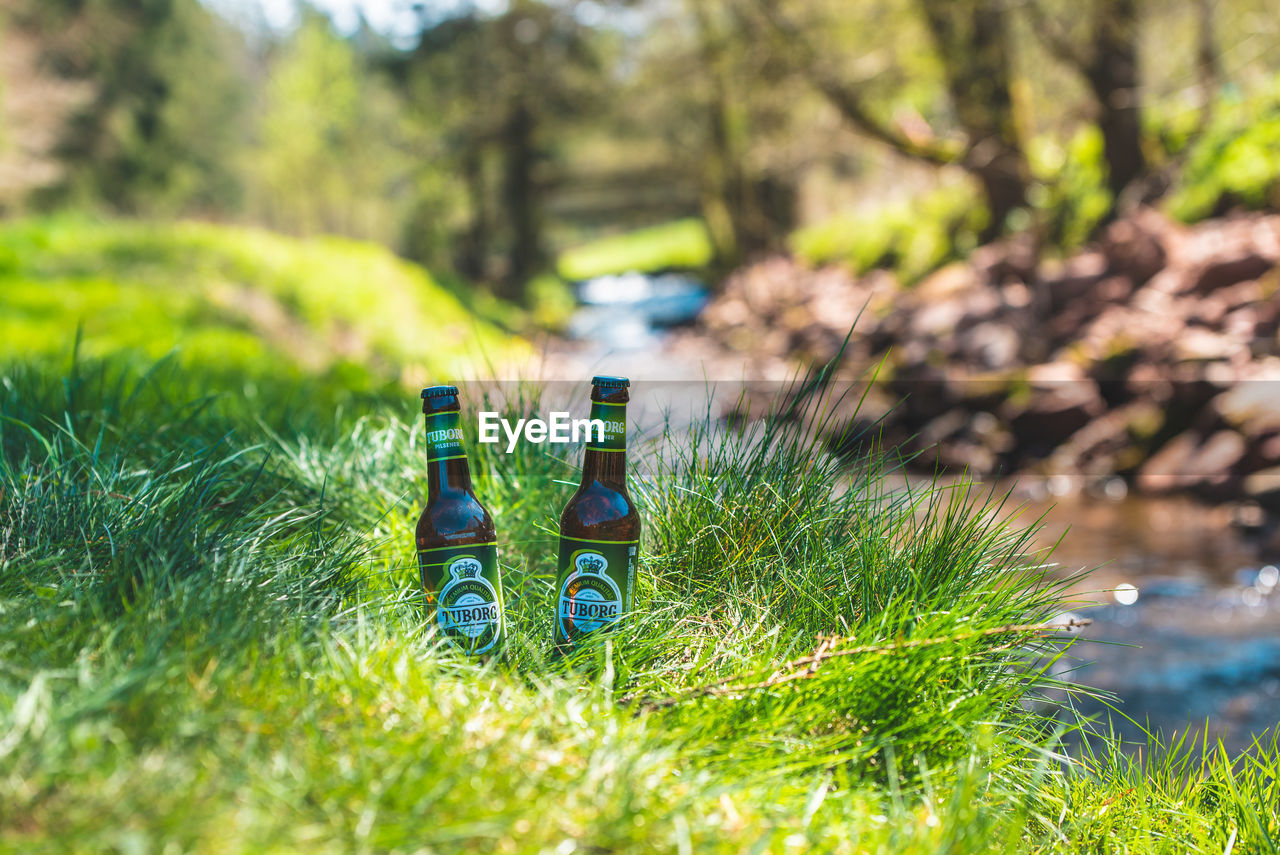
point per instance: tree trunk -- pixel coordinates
(723, 202)
(1112, 74)
(972, 41)
(519, 196)
(1001, 174)
(1208, 65)
(473, 255)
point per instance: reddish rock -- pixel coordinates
(1159, 330)
(1252, 405)
(1201, 345)
(989, 346)
(1013, 259)
(946, 282)
(1162, 472)
(1229, 271)
(1056, 411)
(1264, 488)
(1135, 247)
(1219, 455)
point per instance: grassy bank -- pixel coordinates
(232, 301)
(210, 639)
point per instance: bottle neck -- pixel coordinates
(448, 476)
(447, 469)
(606, 456)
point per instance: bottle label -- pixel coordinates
(596, 587)
(464, 589)
(444, 437)
(614, 417)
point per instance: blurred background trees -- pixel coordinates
(487, 137)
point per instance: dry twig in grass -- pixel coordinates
(807, 666)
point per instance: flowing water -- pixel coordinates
(1185, 604)
(1184, 599)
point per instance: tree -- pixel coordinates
(1099, 40)
(496, 91)
(970, 45)
(159, 127)
(748, 207)
(332, 152)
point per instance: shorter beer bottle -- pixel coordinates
(457, 545)
(599, 528)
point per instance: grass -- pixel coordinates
(211, 636)
(210, 641)
(245, 302)
(679, 244)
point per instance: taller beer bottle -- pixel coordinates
(457, 545)
(599, 528)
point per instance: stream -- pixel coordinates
(1184, 602)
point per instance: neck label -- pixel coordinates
(614, 419)
(444, 437)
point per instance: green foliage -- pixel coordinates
(680, 244)
(160, 129)
(1070, 196)
(551, 302)
(237, 301)
(1236, 162)
(333, 146)
(1173, 794)
(912, 238)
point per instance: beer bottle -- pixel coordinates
(457, 545)
(599, 528)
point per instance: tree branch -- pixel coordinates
(846, 101)
(1056, 39)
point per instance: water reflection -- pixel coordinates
(1186, 612)
(629, 311)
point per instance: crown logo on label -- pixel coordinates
(466, 568)
(591, 563)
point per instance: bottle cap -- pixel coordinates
(439, 391)
(611, 382)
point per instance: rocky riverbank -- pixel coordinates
(1148, 361)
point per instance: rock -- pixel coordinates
(947, 282)
(1161, 473)
(1220, 273)
(1073, 367)
(1200, 345)
(1056, 410)
(1239, 294)
(1134, 248)
(989, 346)
(1253, 404)
(937, 318)
(1188, 462)
(1055, 372)
(1013, 259)
(1099, 448)
(1075, 277)
(1219, 455)
(1075, 314)
(1264, 487)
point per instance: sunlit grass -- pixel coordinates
(245, 300)
(680, 244)
(210, 638)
